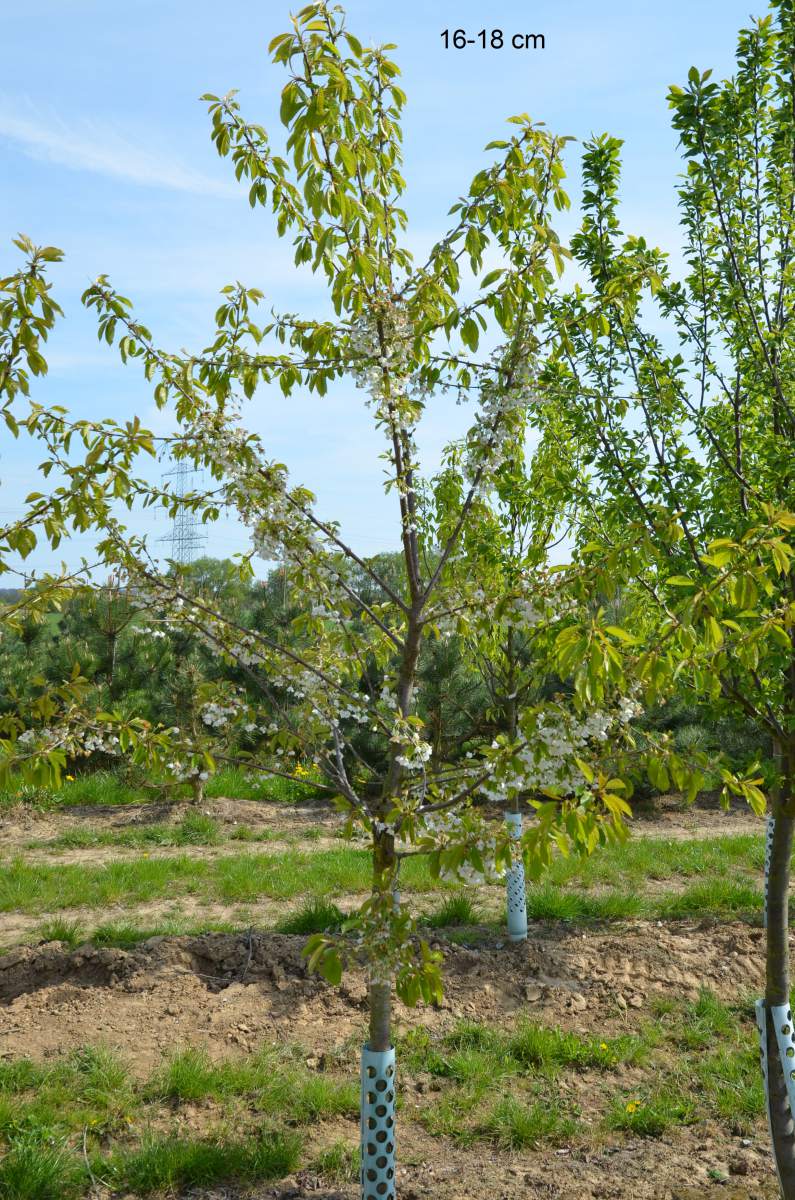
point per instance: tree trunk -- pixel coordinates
(380, 997)
(515, 886)
(378, 1054)
(773, 1014)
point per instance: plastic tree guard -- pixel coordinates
(515, 886)
(781, 1020)
(378, 1124)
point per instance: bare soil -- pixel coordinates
(22, 824)
(667, 817)
(230, 993)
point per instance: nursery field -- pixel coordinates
(160, 1034)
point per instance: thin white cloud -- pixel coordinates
(99, 147)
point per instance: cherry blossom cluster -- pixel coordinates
(382, 365)
(76, 740)
(553, 737)
(218, 716)
(414, 751)
(448, 829)
(502, 400)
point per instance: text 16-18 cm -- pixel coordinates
(492, 39)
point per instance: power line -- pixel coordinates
(187, 534)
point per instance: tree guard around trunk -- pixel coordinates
(378, 1124)
(780, 1017)
(515, 886)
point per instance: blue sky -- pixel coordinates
(104, 151)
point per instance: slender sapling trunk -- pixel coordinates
(774, 1015)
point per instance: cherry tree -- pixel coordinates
(679, 394)
(339, 689)
(509, 621)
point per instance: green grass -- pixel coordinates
(632, 863)
(195, 829)
(243, 877)
(731, 1081)
(533, 1045)
(613, 883)
(474, 1057)
(32, 1169)
(338, 1163)
(696, 1061)
(244, 785)
(713, 897)
(247, 877)
(124, 936)
(475, 1054)
(235, 878)
(62, 929)
(455, 910)
(108, 788)
(709, 1064)
(652, 1114)
(166, 1164)
(95, 789)
(513, 1125)
(92, 1089)
(706, 1021)
(551, 902)
(48, 1110)
(315, 916)
(273, 1084)
(87, 1089)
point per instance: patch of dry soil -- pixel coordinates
(669, 817)
(223, 989)
(229, 993)
(666, 818)
(23, 824)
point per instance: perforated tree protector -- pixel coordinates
(378, 1124)
(515, 886)
(781, 1019)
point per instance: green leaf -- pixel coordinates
(492, 277)
(621, 634)
(470, 334)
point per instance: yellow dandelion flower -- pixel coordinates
(603, 1045)
(71, 778)
(633, 1106)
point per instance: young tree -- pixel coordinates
(689, 437)
(350, 659)
(507, 546)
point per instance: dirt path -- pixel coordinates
(23, 824)
(668, 817)
(306, 825)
